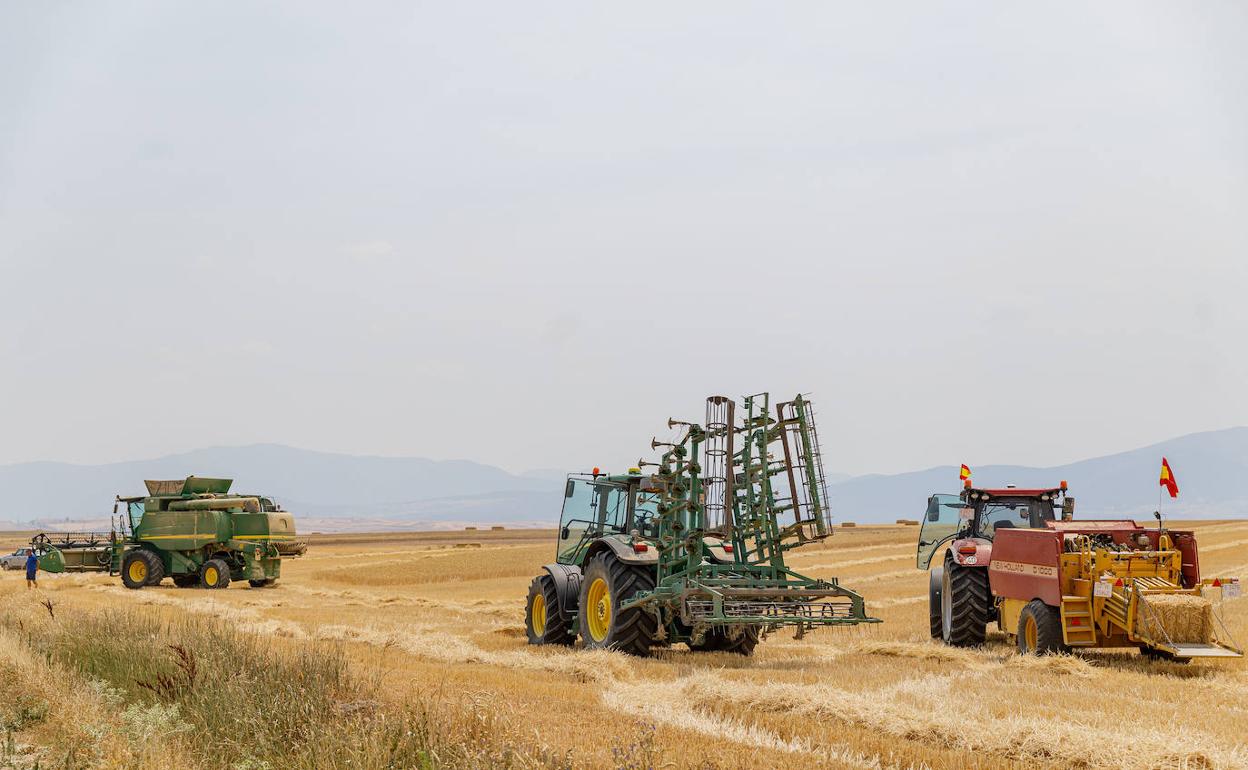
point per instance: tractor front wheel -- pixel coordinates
(141, 568)
(215, 573)
(542, 619)
(608, 583)
(935, 581)
(965, 602)
(1040, 630)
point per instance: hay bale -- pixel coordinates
(848, 524)
(908, 522)
(467, 545)
(1181, 618)
(497, 528)
(470, 529)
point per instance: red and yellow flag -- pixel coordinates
(965, 473)
(1167, 478)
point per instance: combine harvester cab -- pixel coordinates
(191, 530)
(694, 552)
(1108, 584)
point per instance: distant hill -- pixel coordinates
(1212, 470)
(338, 491)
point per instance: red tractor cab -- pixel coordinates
(960, 600)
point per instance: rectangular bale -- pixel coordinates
(1181, 618)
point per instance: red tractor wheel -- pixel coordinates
(965, 605)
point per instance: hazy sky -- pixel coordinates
(527, 233)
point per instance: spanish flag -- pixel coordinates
(965, 473)
(1167, 478)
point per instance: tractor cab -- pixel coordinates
(597, 505)
(976, 515)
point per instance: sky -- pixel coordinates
(528, 233)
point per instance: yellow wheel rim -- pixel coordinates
(599, 608)
(538, 613)
(1029, 634)
(138, 571)
(210, 576)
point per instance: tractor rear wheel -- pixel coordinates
(214, 573)
(965, 604)
(935, 579)
(1040, 630)
(542, 619)
(608, 583)
(141, 568)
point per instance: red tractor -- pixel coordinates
(960, 600)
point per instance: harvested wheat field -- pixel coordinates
(406, 650)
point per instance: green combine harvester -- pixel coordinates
(694, 552)
(192, 530)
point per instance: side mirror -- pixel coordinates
(1068, 508)
(933, 515)
(570, 489)
(564, 533)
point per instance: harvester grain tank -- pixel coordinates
(192, 530)
(1057, 584)
(694, 552)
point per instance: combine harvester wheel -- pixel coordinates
(141, 568)
(214, 574)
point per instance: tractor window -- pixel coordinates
(646, 514)
(613, 502)
(941, 522)
(1014, 514)
(580, 502)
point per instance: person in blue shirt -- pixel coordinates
(32, 569)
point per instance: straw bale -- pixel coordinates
(848, 524)
(1186, 619)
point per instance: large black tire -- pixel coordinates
(141, 568)
(542, 617)
(262, 583)
(186, 581)
(718, 640)
(966, 605)
(631, 631)
(934, 580)
(1040, 630)
(217, 568)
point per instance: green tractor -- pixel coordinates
(191, 530)
(694, 552)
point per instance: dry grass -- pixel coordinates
(431, 636)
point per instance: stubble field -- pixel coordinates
(429, 631)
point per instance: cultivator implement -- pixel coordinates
(732, 497)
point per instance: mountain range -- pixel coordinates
(333, 492)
